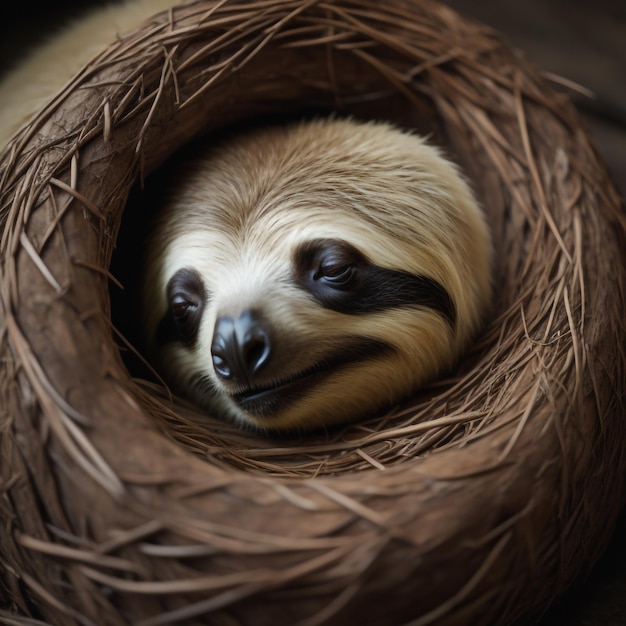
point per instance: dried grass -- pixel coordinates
(479, 500)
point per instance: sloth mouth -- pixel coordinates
(265, 401)
(268, 400)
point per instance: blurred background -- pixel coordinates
(579, 40)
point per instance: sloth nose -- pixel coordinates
(240, 347)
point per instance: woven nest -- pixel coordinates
(478, 501)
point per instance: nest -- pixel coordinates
(478, 501)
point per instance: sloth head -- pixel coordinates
(308, 275)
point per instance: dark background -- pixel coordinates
(580, 40)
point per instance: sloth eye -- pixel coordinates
(329, 269)
(336, 271)
(181, 307)
(186, 299)
(341, 278)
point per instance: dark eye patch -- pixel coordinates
(186, 299)
(363, 287)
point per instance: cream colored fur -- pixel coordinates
(49, 67)
(239, 212)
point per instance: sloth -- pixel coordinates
(306, 275)
(297, 276)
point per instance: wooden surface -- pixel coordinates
(581, 41)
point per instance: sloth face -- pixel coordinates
(290, 288)
(283, 356)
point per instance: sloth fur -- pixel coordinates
(297, 276)
(309, 274)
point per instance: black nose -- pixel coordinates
(240, 347)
